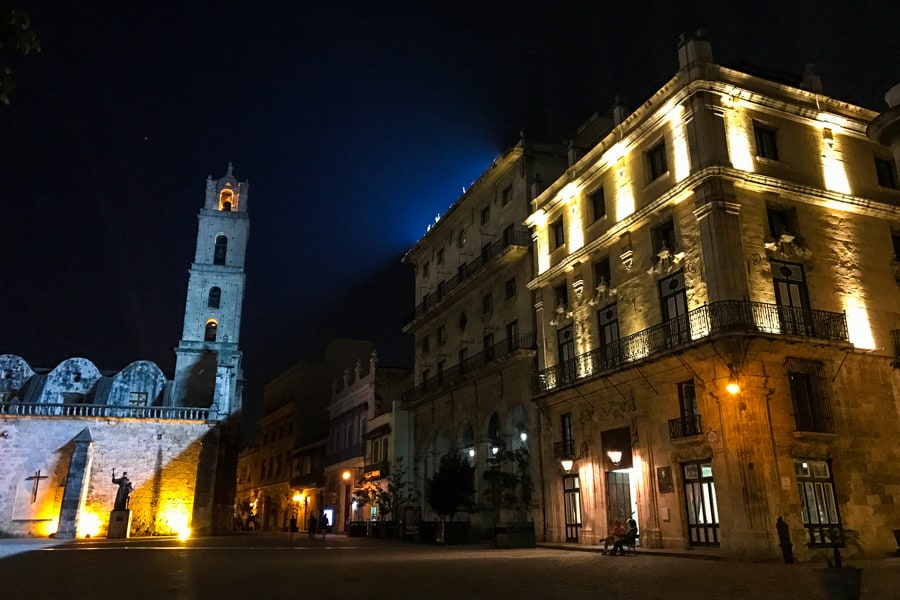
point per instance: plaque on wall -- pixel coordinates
(664, 480)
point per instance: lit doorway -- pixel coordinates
(572, 503)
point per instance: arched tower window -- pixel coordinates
(221, 250)
(212, 327)
(226, 200)
(215, 297)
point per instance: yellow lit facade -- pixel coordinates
(729, 324)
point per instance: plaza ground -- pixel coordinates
(276, 566)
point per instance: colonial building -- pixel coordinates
(366, 437)
(474, 325)
(716, 295)
(63, 431)
(284, 466)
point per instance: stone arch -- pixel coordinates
(15, 372)
(142, 383)
(71, 382)
(517, 427)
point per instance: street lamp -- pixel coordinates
(732, 386)
(615, 457)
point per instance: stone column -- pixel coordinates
(76, 485)
(717, 211)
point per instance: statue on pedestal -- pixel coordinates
(125, 489)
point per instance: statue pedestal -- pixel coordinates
(119, 524)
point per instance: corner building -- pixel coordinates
(716, 298)
(474, 326)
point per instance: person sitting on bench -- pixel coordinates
(628, 539)
(614, 537)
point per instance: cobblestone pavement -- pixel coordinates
(274, 566)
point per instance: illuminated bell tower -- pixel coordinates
(207, 359)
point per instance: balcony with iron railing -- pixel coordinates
(177, 413)
(685, 427)
(729, 316)
(564, 449)
(377, 470)
(517, 238)
(462, 371)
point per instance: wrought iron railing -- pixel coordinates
(516, 237)
(685, 427)
(564, 449)
(352, 451)
(183, 413)
(712, 319)
(377, 470)
(461, 371)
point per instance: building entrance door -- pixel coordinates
(618, 498)
(700, 503)
(572, 503)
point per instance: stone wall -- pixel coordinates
(161, 458)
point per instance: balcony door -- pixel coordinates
(700, 503)
(792, 298)
(572, 504)
(610, 349)
(673, 297)
(566, 348)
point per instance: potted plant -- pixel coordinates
(841, 582)
(450, 490)
(511, 489)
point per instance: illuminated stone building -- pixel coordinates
(716, 294)
(64, 430)
(474, 325)
(367, 433)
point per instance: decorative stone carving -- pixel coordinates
(787, 247)
(562, 316)
(604, 293)
(667, 260)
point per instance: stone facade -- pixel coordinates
(64, 430)
(474, 327)
(747, 240)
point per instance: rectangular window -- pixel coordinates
(818, 503)
(884, 169)
(567, 435)
(508, 237)
(765, 142)
(602, 272)
(510, 288)
(487, 304)
(426, 343)
(506, 195)
(512, 335)
(425, 375)
(440, 371)
(463, 354)
(809, 395)
(426, 269)
(487, 346)
(442, 334)
(485, 215)
(561, 295)
(656, 161)
(663, 238)
(558, 231)
(137, 399)
(598, 203)
(781, 221)
(440, 256)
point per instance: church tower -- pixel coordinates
(208, 361)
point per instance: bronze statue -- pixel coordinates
(125, 489)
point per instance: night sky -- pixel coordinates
(356, 123)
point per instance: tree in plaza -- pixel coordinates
(453, 486)
(509, 480)
(16, 38)
(388, 499)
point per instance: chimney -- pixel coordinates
(811, 82)
(618, 111)
(694, 49)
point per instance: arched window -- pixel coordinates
(221, 250)
(226, 200)
(215, 296)
(494, 430)
(211, 328)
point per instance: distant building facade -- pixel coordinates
(65, 430)
(716, 297)
(473, 326)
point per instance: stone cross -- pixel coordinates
(36, 482)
